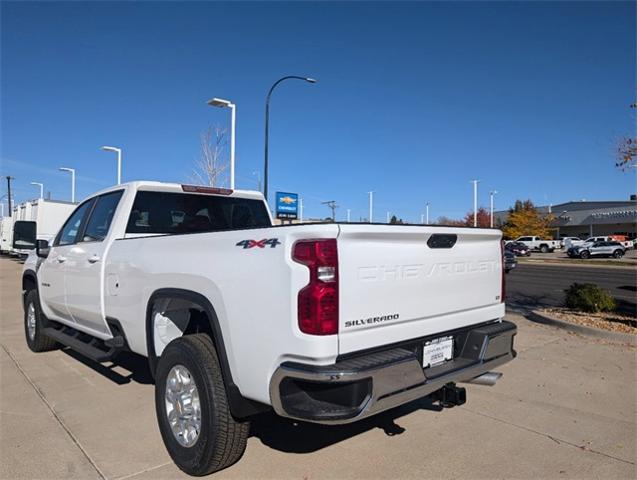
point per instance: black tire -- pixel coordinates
(222, 439)
(618, 254)
(39, 342)
(584, 254)
(544, 248)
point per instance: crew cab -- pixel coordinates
(327, 323)
(539, 243)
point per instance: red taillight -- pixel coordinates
(318, 300)
(503, 286)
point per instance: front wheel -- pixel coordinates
(584, 254)
(195, 422)
(37, 341)
(544, 248)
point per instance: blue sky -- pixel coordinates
(413, 100)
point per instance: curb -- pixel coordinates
(582, 329)
(577, 263)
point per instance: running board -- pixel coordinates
(89, 346)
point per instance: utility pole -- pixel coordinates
(475, 202)
(9, 178)
(427, 212)
(387, 217)
(371, 204)
(331, 204)
(300, 206)
(348, 212)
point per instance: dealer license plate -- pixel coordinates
(437, 351)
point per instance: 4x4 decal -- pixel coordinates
(273, 242)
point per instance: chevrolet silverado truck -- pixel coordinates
(539, 243)
(327, 323)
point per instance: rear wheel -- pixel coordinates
(36, 340)
(199, 432)
(618, 254)
(544, 248)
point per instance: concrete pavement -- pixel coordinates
(566, 408)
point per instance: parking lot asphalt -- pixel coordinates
(565, 408)
(541, 285)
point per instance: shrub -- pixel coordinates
(588, 297)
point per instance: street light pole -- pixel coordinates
(427, 212)
(348, 215)
(72, 172)
(267, 125)
(371, 205)
(300, 208)
(475, 202)
(221, 103)
(119, 160)
(492, 194)
(41, 185)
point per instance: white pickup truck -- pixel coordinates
(327, 323)
(539, 243)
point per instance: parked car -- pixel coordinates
(510, 262)
(566, 242)
(607, 249)
(538, 243)
(327, 323)
(518, 248)
(624, 241)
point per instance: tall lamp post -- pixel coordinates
(267, 125)
(221, 103)
(427, 212)
(371, 207)
(475, 202)
(491, 195)
(72, 172)
(119, 160)
(41, 185)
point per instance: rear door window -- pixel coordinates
(174, 213)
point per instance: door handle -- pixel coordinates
(93, 259)
(61, 259)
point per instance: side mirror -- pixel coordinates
(24, 235)
(42, 248)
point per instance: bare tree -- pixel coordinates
(211, 164)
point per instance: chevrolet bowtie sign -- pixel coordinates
(287, 205)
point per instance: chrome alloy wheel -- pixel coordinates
(182, 405)
(31, 321)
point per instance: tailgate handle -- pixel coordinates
(442, 240)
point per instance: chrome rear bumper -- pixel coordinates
(360, 386)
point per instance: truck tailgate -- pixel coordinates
(402, 282)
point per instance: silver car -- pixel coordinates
(605, 249)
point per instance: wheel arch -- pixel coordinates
(29, 282)
(239, 406)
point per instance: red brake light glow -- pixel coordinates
(318, 300)
(202, 189)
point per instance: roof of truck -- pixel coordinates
(149, 185)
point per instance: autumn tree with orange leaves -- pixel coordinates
(524, 219)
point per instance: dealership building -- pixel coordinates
(585, 219)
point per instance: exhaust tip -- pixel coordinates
(489, 379)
